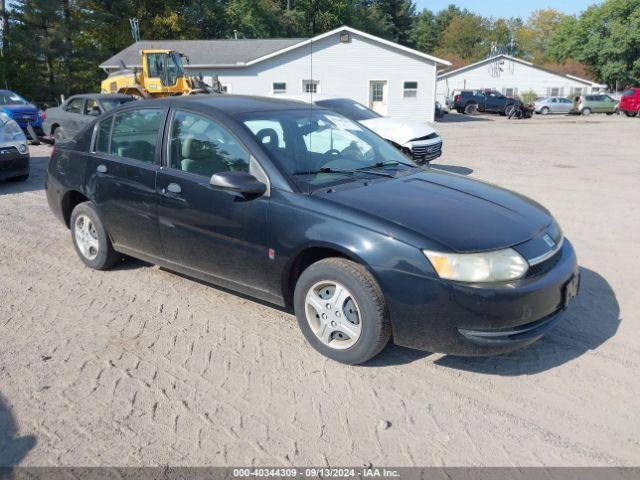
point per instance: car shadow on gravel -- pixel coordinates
(462, 118)
(13, 447)
(590, 321)
(34, 183)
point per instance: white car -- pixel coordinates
(417, 140)
(14, 152)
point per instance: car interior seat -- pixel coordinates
(201, 156)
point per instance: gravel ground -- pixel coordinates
(139, 366)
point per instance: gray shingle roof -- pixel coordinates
(205, 52)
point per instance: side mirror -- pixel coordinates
(241, 182)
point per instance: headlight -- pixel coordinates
(10, 131)
(497, 266)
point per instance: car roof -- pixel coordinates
(99, 96)
(226, 103)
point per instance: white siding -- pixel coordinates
(343, 69)
(513, 75)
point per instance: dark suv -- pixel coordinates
(305, 208)
(490, 101)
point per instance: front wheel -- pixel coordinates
(90, 238)
(341, 311)
(545, 111)
(631, 114)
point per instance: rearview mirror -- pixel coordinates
(241, 182)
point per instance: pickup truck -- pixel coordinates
(489, 101)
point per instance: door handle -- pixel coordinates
(102, 168)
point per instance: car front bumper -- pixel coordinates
(13, 163)
(479, 319)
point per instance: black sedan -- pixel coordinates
(77, 112)
(305, 208)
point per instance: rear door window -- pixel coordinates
(135, 134)
(102, 135)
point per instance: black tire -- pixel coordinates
(586, 111)
(545, 111)
(508, 110)
(471, 109)
(375, 323)
(58, 135)
(106, 256)
(19, 178)
(631, 114)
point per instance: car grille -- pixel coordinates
(426, 152)
(545, 266)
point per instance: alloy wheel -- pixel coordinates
(333, 314)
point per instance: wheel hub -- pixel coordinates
(86, 237)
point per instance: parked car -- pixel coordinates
(545, 106)
(79, 111)
(14, 152)
(24, 113)
(595, 103)
(630, 102)
(305, 208)
(418, 140)
(489, 101)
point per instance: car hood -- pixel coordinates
(397, 131)
(19, 108)
(459, 213)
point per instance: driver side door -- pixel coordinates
(210, 232)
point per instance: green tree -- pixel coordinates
(466, 37)
(606, 38)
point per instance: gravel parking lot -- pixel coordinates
(140, 366)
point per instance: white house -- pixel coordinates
(392, 79)
(512, 76)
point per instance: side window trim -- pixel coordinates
(94, 139)
(157, 156)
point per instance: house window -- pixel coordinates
(576, 91)
(310, 86)
(553, 92)
(510, 92)
(279, 87)
(410, 90)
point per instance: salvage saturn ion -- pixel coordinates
(302, 207)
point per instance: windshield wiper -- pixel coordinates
(324, 170)
(386, 164)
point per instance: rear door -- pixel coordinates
(218, 233)
(564, 105)
(121, 178)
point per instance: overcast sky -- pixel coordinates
(507, 8)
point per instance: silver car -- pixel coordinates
(545, 106)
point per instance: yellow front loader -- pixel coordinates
(162, 75)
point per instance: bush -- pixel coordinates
(529, 97)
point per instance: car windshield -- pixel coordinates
(111, 103)
(349, 109)
(10, 98)
(628, 93)
(319, 148)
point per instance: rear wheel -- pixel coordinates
(471, 109)
(586, 111)
(58, 135)
(90, 238)
(341, 311)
